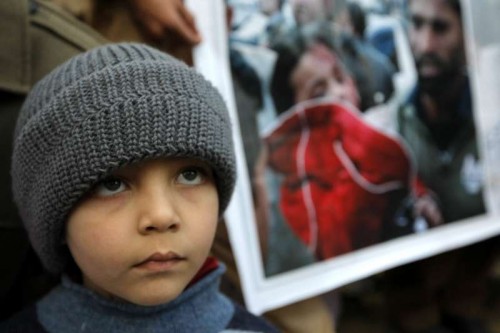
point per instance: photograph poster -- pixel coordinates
(342, 173)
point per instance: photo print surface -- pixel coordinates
(361, 137)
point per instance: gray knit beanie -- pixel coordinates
(101, 110)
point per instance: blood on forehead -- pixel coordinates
(323, 53)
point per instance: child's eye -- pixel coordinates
(110, 186)
(191, 176)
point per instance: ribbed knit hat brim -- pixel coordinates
(110, 107)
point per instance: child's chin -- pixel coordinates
(152, 300)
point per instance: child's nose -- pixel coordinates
(337, 90)
(158, 213)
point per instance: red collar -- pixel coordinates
(209, 265)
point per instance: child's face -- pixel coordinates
(144, 232)
(320, 73)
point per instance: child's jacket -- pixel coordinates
(342, 180)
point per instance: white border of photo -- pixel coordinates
(263, 294)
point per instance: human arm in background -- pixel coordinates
(166, 18)
(426, 205)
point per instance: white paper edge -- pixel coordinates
(211, 59)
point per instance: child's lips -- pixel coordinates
(160, 262)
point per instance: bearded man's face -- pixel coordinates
(436, 39)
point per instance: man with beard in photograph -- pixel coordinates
(444, 293)
(437, 119)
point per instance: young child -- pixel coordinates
(123, 164)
